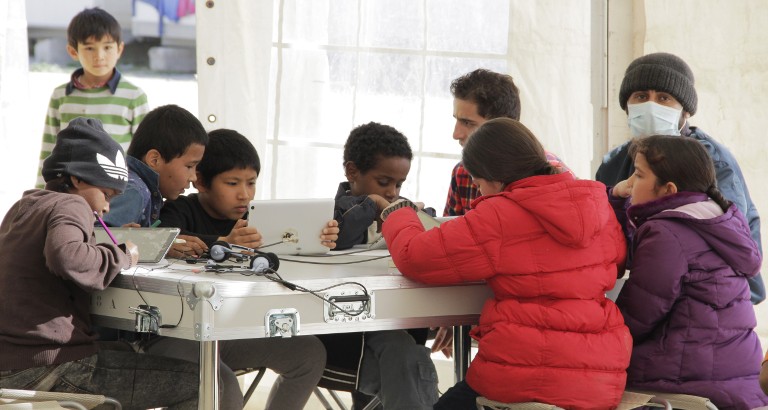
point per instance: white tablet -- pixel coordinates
(291, 226)
(153, 243)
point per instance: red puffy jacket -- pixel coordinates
(549, 247)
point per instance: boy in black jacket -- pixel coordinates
(394, 364)
(226, 183)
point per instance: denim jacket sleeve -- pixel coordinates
(125, 208)
(731, 183)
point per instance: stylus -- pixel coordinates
(101, 221)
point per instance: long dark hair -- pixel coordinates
(682, 161)
(504, 150)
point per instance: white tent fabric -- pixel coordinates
(14, 90)
(297, 77)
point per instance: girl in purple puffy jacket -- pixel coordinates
(686, 301)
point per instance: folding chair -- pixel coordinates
(259, 375)
(681, 401)
(11, 397)
(375, 401)
(318, 393)
(488, 404)
(632, 400)
(629, 400)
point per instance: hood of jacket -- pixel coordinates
(571, 223)
(726, 232)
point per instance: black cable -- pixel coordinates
(335, 254)
(248, 272)
(271, 244)
(335, 263)
(152, 316)
(314, 292)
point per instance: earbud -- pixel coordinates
(265, 262)
(220, 251)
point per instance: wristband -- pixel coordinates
(400, 203)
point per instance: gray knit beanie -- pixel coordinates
(86, 151)
(660, 72)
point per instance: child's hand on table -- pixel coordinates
(133, 252)
(187, 246)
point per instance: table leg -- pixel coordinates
(209, 376)
(461, 348)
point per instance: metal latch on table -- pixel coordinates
(147, 320)
(348, 306)
(282, 322)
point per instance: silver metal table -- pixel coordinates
(209, 307)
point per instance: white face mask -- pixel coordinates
(649, 118)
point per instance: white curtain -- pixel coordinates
(14, 103)
(336, 64)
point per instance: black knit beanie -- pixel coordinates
(660, 72)
(86, 151)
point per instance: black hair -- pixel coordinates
(170, 130)
(94, 22)
(495, 94)
(227, 150)
(61, 184)
(368, 143)
(682, 161)
(504, 150)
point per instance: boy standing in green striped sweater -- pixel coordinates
(97, 89)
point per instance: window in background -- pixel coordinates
(338, 64)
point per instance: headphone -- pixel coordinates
(261, 262)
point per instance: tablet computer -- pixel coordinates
(291, 226)
(153, 243)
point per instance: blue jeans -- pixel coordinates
(398, 370)
(458, 397)
(137, 381)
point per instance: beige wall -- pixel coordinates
(724, 42)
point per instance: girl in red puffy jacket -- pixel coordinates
(550, 247)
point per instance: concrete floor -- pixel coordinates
(258, 400)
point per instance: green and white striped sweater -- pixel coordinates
(120, 113)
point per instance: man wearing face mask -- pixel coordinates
(658, 95)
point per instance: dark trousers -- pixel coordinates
(458, 397)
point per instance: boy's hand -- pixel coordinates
(133, 252)
(330, 234)
(443, 341)
(187, 246)
(622, 189)
(131, 225)
(243, 235)
(380, 201)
